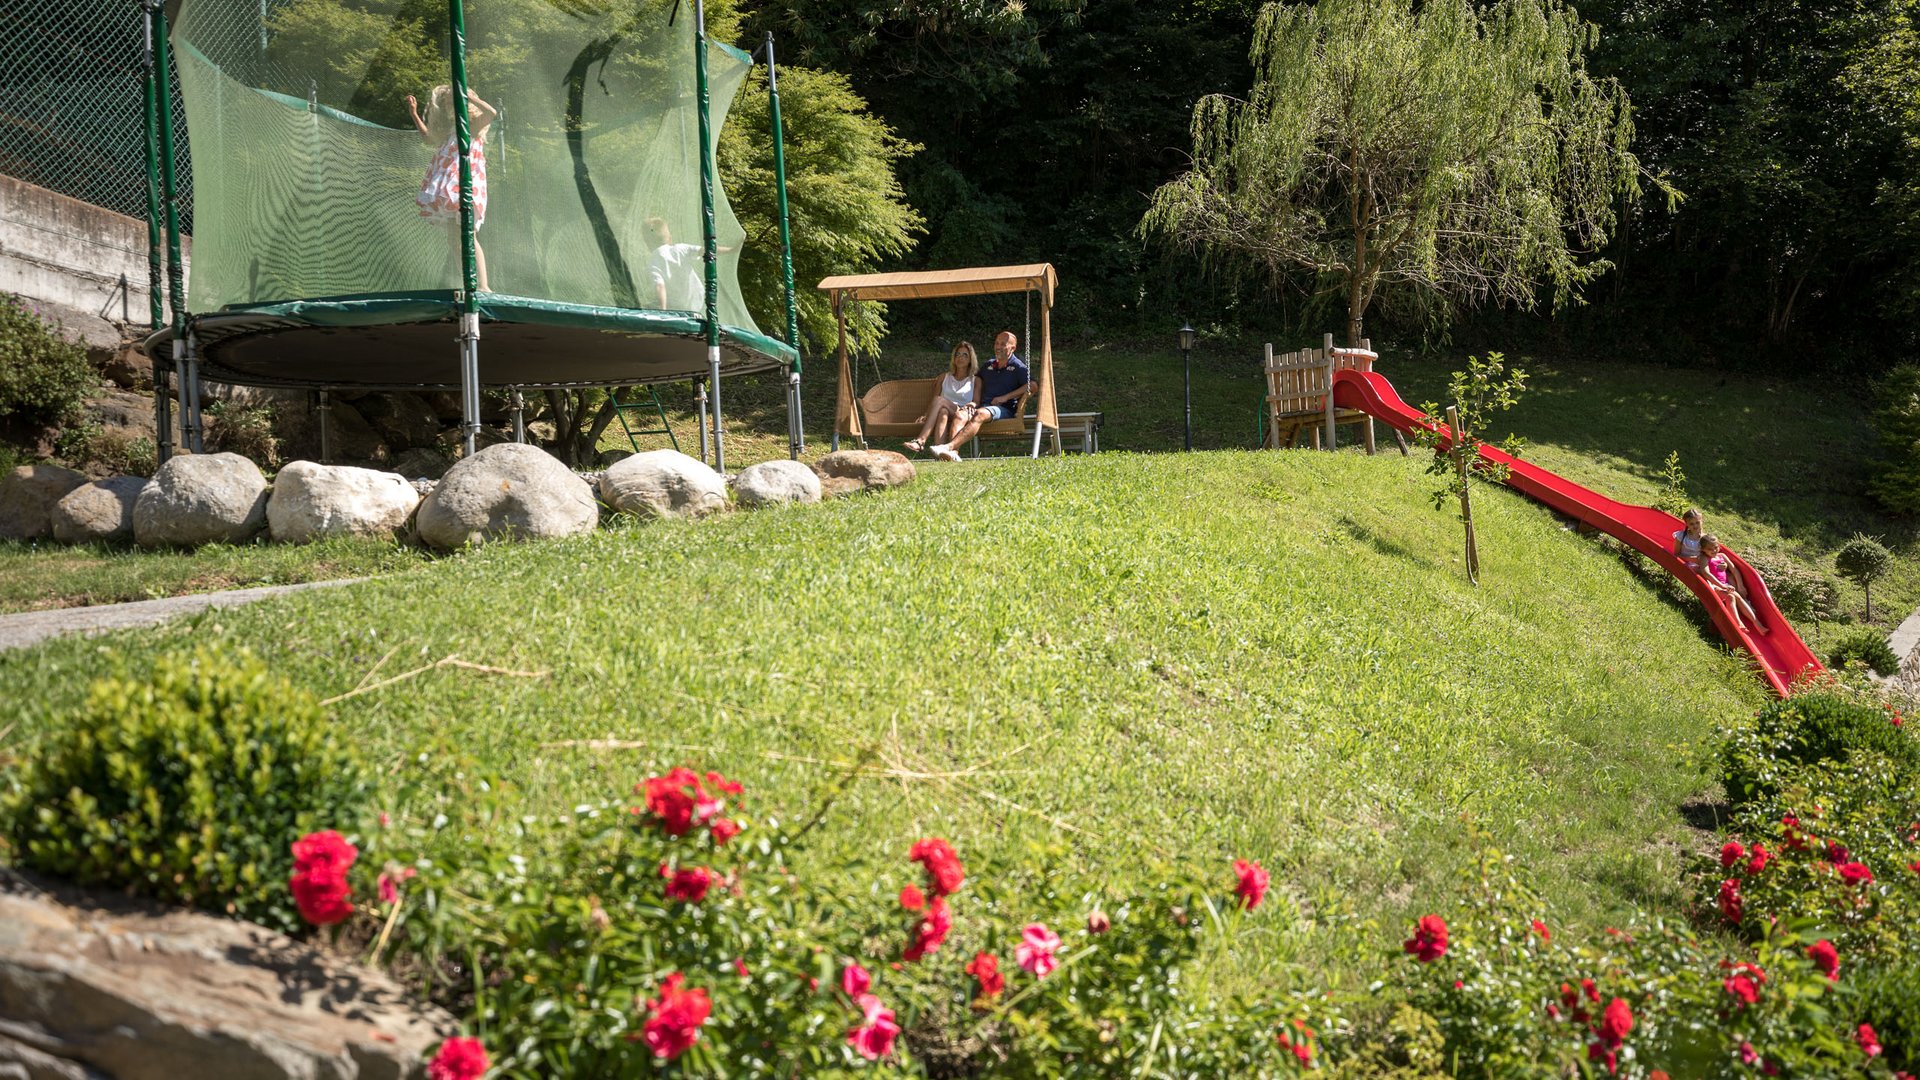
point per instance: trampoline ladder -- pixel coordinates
(651, 404)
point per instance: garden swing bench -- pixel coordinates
(895, 408)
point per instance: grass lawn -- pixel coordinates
(35, 576)
(1100, 665)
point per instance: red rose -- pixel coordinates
(1790, 833)
(671, 799)
(1429, 940)
(1731, 905)
(1915, 867)
(319, 881)
(688, 883)
(1591, 991)
(854, 980)
(1616, 1021)
(674, 1018)
(912, 898)
(1253, 883)
(1731, 852)
(1759, 860)
(933, 929)
(873, 1038)
(1869, 1042)
(986, 968)
(1825, 957)
(1742, 988)
(1541, 929)
(1301, 1049)
(1854, 873)
(460, 1058)
(722, 784)
(1837, 853)
(944, 872)
(723, 830)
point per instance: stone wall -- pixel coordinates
(79, 263)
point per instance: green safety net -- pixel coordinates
(312, 180)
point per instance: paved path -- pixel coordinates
(1906, 637)
(33, 627)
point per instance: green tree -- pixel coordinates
(1422, 155)
(1896, 421)
(1486, 387)
(1781, 120)
(1863, 561)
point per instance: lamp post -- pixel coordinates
(1187, 334)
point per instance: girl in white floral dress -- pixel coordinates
(439, 198)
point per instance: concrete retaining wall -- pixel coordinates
(87, 264)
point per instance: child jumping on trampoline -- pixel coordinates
(1725, 579)
(439, 198)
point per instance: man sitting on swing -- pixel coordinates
(1004, 385)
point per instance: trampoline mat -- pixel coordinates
(412, 343)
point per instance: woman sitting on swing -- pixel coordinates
(955, 401)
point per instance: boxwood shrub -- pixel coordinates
(188, 787)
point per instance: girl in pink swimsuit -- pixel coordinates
(439, 198)
(1725, 580)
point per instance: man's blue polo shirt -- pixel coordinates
(996, 381)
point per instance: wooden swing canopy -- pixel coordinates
(936, 285)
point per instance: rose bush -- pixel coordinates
(645, 932)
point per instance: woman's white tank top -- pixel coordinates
(958, 391)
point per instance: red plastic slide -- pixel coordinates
(1781, 656)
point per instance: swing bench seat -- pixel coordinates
(896, 408)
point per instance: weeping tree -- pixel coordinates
(1427, 155)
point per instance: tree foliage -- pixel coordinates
(1790, 124)
(1426, 155)
(1863, 560)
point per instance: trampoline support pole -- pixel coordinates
(796, 431)
(325, 409)
(469, 380)
(518, 405)
(199, 441)
(709, 235)
(469, 254)
(700, 403)
(184, 392)
(156, 289)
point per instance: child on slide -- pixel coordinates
(1725, 580)
(1686, 542)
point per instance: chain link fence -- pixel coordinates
(72, 117)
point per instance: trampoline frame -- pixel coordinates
(176, 349)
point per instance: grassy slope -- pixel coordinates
(49, 575)
(1193, 657)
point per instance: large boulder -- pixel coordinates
(873, 468)
(99, 512)
(776, 482)
(509, 491)
(839, 487)
(312, 501)
(27, 498)
(663, 483)
(133, 993)
(201, 499)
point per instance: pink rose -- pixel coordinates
(1036, 950)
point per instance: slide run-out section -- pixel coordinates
(1780, 655)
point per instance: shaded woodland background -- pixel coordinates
(1790, 126)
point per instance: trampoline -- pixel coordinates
(452, 194)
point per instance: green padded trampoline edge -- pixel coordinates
(497, 307)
